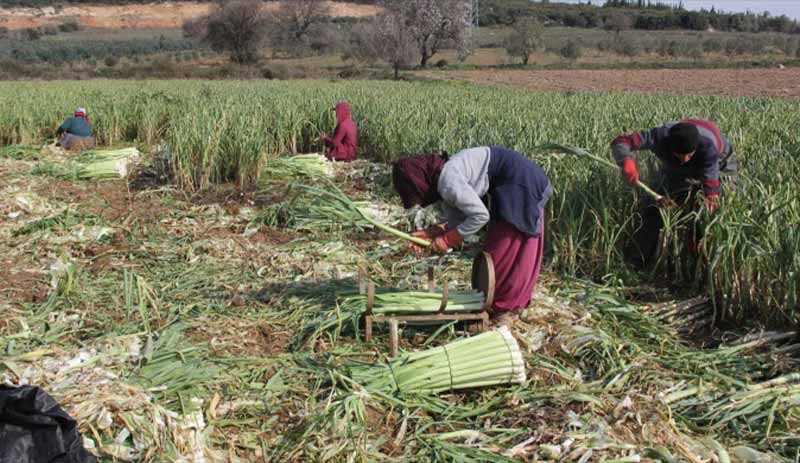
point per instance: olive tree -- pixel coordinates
(384, 37)
(526, 38)
(434, 24)
(237, 27)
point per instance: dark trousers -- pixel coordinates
(683, 191)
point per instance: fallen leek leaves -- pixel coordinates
(180, 339)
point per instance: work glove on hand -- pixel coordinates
(712, 203)
(629, 171)
(451, 239)
(428, 234)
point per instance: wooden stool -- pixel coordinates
(484, 281)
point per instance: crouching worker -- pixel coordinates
(694, 155)
(342, 146)
(518, 190)
(75, 134)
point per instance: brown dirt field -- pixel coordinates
(783, 83)
(137, 16)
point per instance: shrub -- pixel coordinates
(49, 30)
(70, 25)
(442, 63)
(31, 34)
(275, 71)
(571, 51)
(350, 72)
(694, 50)
(298, 72)
(712, 46)
(626, 46)
(111, 61)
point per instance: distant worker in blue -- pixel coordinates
(75, 133)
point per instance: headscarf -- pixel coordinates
(342, 112)
(81, 112)
(416, 179)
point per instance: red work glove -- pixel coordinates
(712, 203)
(629, 172)
(451, 239)
(428, 234)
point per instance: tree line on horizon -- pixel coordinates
(644, 14)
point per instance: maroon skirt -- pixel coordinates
(517, 262)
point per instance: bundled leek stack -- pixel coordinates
(310, 165)
(105, 164)
(332, 202)
(351, 306)
(489, 359)
(309, 213)
(419, 302)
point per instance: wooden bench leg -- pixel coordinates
(393, 337)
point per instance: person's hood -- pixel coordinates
(416, 179)
(342, 112)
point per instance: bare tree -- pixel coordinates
(297, 24)
(237, 27)
(434, 24)
(618, 22)
(525, 39)
(385, 37)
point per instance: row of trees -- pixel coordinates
(67, 51)
(642, 15)
(406, 31)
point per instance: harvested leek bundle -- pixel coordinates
(488, 359)
(308, 213)
(339, 206)
(310, 165)
(419, 302)
(351, 306)
(103, 164)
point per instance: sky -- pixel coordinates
(790, 8)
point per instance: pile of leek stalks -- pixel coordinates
(491, 358)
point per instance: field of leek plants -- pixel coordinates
(178, 316)
(216, 132)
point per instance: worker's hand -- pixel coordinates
(429, 234)
(417, 249)
(712, 203)
(451, 239)
(629, 171)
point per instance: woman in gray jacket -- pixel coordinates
(517, 190)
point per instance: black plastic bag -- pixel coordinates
(34, 429)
